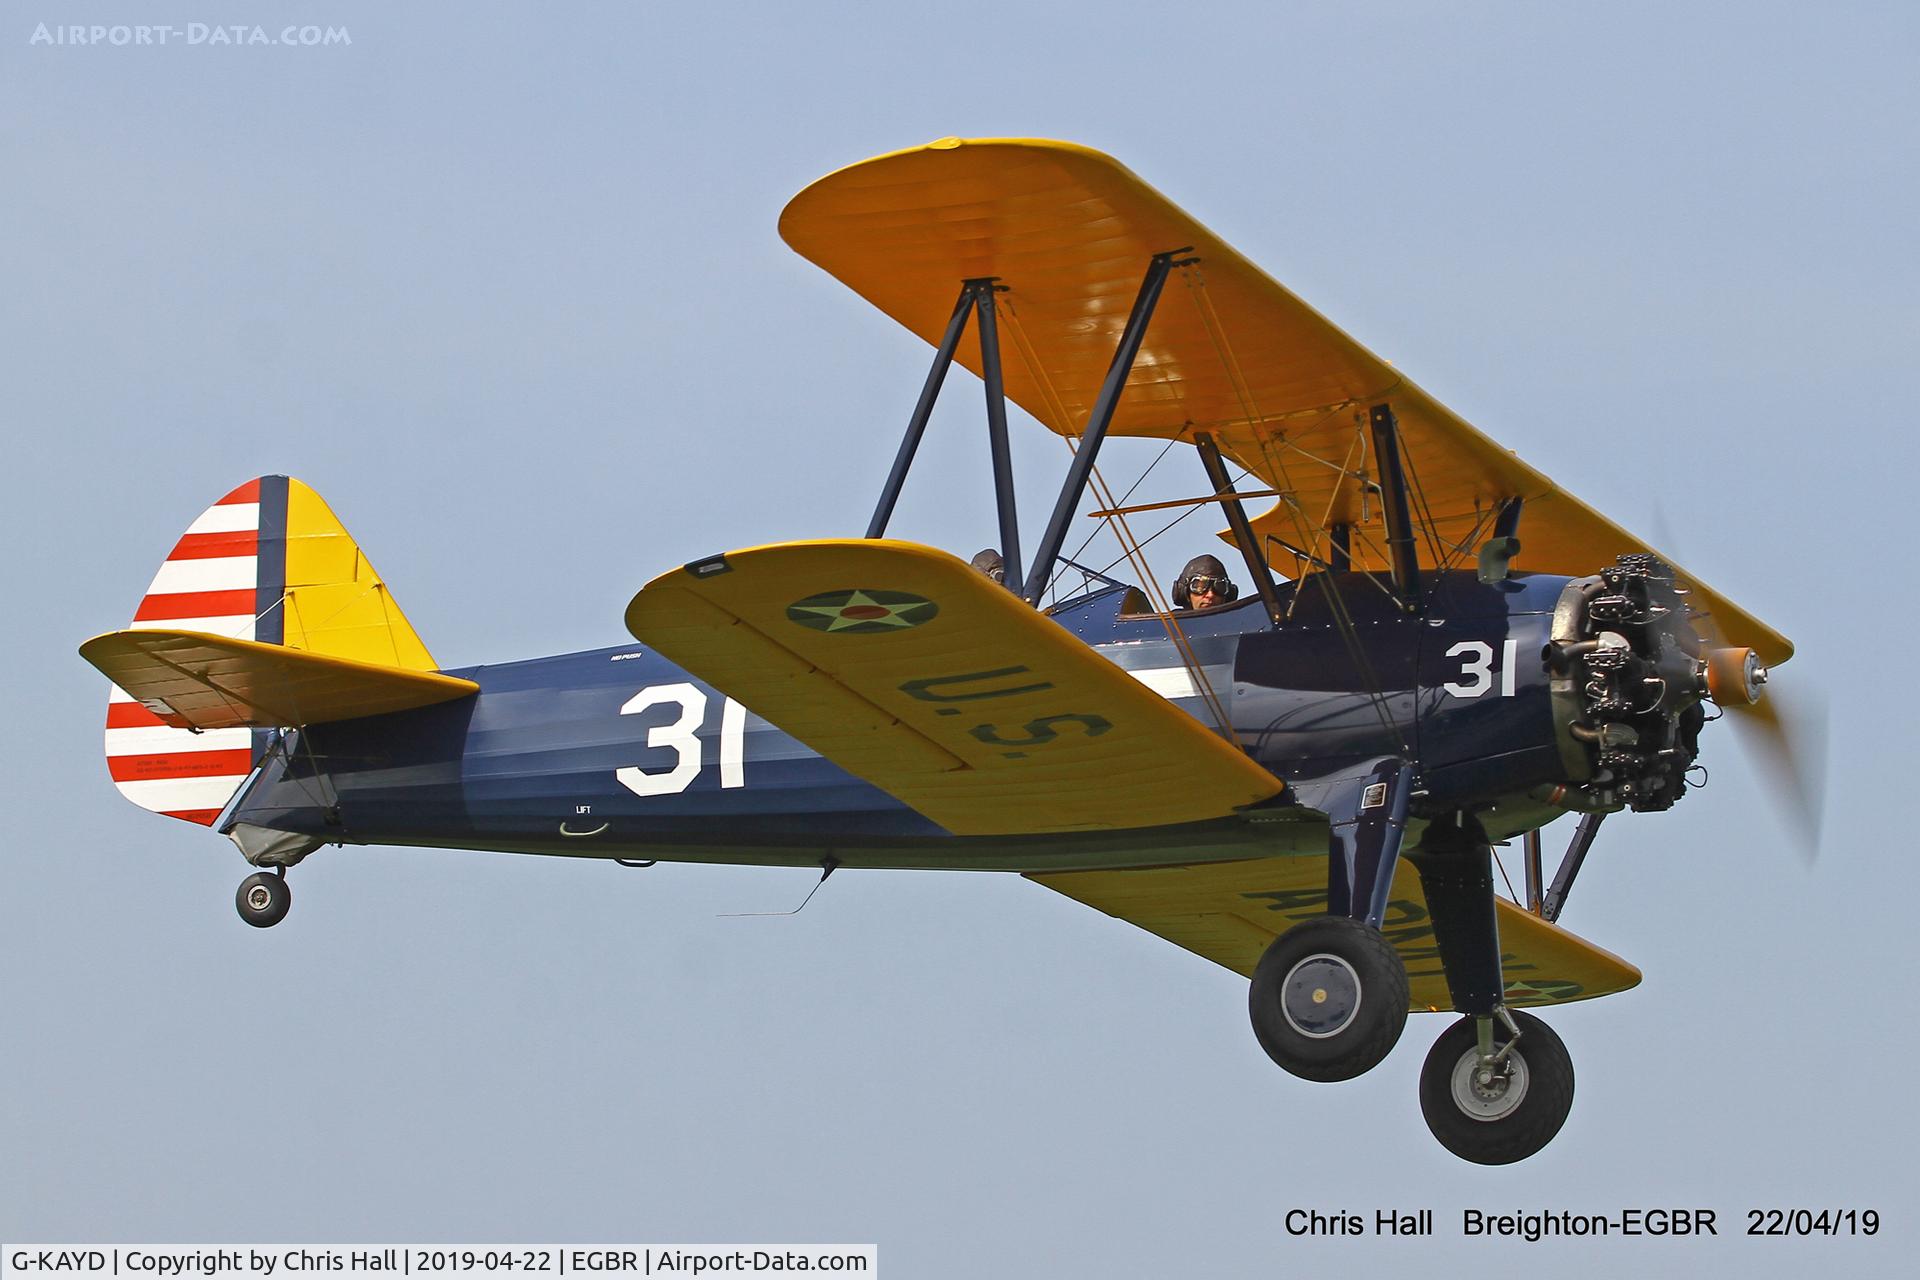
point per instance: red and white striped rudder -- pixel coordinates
(209, 582)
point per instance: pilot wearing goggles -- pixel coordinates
(1203, 584)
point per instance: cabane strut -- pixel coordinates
(977, 296)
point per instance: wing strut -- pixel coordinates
(1576, 854)
(1393, 498)
(1103, 407)
(1237, 518)
(997, 427)
(917, 424)
(975, 295)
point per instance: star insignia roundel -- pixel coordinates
(862, 611)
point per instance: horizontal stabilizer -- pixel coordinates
(904, 666)
(192, 680)
(1230, 912)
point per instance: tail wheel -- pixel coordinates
(263, 899)
(1499, 1113)
(1329, 999)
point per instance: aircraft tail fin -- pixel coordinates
(268, 563)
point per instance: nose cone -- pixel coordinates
(1735, 676)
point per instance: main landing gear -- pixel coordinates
(263, 898)
(1329, 1001)
(1330, 997)
(1496, 1090)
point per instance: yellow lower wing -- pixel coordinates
(906, 667)
(1230, 911)
(197, 681)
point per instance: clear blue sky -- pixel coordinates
(504, 286)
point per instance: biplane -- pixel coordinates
(1441, 651)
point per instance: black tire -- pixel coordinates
(263, 899)
(1490, 1125)
(1329, 999)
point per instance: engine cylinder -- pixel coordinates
(1627, 682)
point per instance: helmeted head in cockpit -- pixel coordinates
(1203, 584)
(992, 564)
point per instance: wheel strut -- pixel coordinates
(1329, 998)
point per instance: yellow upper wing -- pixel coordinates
(904, 666)
(1230, 911)
(193, 680)
(1068, 231)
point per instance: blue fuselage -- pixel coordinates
(619, 753)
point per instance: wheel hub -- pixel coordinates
(259, 897)
(1321, 996)
(1484, 1092)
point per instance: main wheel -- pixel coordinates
(263, 899)
(1329, 999)
(1504, 1115)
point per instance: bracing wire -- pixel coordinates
(1133, 550)
(1088, 540)
(1336, 604)
(1503, 874)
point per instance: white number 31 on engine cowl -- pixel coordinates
(1477, 670)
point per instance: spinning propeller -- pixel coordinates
(1785, 736)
